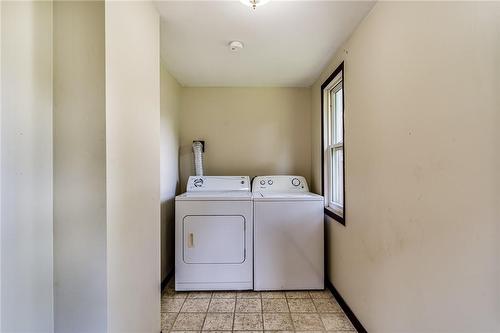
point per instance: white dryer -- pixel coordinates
(288, 234)
(214, 234)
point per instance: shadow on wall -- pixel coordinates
(168, 234)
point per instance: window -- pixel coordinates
(332, 110)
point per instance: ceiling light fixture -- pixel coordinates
(254, 3)
(235, 45)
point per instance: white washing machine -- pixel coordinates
(214, 234)
(288, 234)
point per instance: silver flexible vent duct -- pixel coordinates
(198, 158)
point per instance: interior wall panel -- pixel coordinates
(80, 277)
(26, 167)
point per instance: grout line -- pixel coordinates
(234, 311)
(261, 311)
(177, 314)
(290, 312)
(206, 312)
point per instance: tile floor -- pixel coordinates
(250, 311)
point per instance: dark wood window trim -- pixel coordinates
(328, 212)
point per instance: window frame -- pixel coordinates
(333, 144)
(325, 142)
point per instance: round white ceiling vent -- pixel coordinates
(254, 3)
(235, 46)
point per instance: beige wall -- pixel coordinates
(26, 167)
(79, 167)
(133, 166)
(420, 250)
(248, 131)
(169, 164)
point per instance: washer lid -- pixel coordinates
(215, 196)
(286, 196)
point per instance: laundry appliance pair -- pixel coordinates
(228, 237)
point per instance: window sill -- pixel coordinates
(331, 213)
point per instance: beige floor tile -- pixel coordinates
(222, 305)
(297, 294)
(277, 321)
(199, 294)
(224, 294)
(307, 322)
(189, 321)
(167, 320)
(196, 305)
(248, 305)
(248, 294)
(326, 305)
(301, 305)
(247, 321)
(336, 322)
(171, 305)
(272, 294)
(251, 312)
(218, 322)
(275, 305)
(321, 293)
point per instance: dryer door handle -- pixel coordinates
(191, 240)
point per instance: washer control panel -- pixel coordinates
(279, 184)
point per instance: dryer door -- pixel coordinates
(212, 239)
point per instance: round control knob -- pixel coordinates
(295, 182)
(262, 182)
(198, 182)
(270, 182)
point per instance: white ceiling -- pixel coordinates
(287, 43)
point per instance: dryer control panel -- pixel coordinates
(279, 184)
(218, 183)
